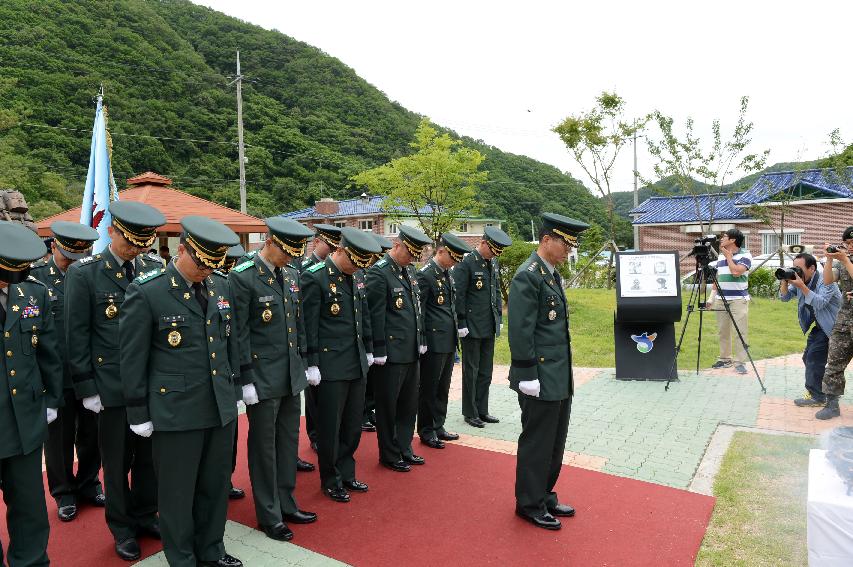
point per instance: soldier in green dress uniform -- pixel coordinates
(179, 363)
(368, 421)
(75, 428)
(30, 393)
(95, 289)
(438, 300)
(479, 308)
(326, 240)
(232, 255)
(541, 370)
(340, 345)
(271, 333)
(398, 341)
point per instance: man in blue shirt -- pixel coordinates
(817, 306)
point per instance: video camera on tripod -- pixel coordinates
(705, 251)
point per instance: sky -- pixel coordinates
(508, 72)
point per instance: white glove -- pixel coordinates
(51, 414)
(529, 387)
(143, 429)
(93, 403)
(502, 327)
(463, 332)
(313, 375)
(380, 360)
(422, 349)
(250, 395)
(370, 358)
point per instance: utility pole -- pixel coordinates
(241, 152)
(636, 193)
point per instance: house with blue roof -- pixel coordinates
(367, 213)
(780, 208)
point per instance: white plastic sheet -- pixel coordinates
(830, 515)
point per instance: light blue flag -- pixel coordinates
(100, 185)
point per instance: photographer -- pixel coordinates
(841, 338)
(733, 264)
(818, 303)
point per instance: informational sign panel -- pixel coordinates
(648, 275)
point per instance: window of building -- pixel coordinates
(365, 224)
(463, 227)
(770, 241)
(393, 228)
(488, 224)
(340, 223)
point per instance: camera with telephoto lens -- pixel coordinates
(833, 248)
(704, 248)
(789, 274)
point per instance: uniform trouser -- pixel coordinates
(133, 504)
(312, 412)
(340, 403)
(74, 426)
(192, 470)
(273, 445)
(540, 452)
(234, 445)
(369, 399)
(477, 356)
(840, 354)
(396, 396)
(728, 334)
(436, 371)
(26, 511)
(814, 357)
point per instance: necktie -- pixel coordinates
(2, 307)
(558, 279)
(200, 295)
(279, 278)
(128, 270)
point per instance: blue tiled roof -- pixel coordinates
(351, 207)
(683, 209)
(771, 184)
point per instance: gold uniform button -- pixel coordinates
(254, 356)
(14, 391)
(290, 344)
(162, 390)
(9, 353)
(211, 339)
(325, 350)
(6, 334)
(100, 360)
(213, 355)
(541, 359)
(208, 321)
(289, 330)
(214, 372)
(12, 373)
(390, 336)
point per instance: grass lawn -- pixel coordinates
(760, 514)
(773, 331)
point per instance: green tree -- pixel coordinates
(436, 184)
(511, 258)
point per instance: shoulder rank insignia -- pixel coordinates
(87, 259)
(381, 262)
(243, 267)
(251, 254)
(148, 276)
(531, 267)
(316, 267)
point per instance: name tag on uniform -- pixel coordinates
(265, 298)
(173, 318)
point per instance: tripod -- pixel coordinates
(703, 275)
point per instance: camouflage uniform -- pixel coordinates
(841, 339)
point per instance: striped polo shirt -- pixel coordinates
(734, 287)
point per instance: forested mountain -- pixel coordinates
(310, 121)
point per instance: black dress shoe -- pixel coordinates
(314, 446)
(413, 459)
(399, 466)
(337, 494)
(562, 510)
(235, 493)
(278, 531)
(546, 521)
(67, 512)
(99, 500)
(225, 561)
(432, 442)
(474, 422)
(300, 517)
(151, 530)
(367, 426)
(489, 419)
(128, 549)
(445, 436)
(355, 486)
(304, 466)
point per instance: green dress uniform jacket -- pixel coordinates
(539, 339)
(178, 364)
(438, 304)
(478, 295)
(50, 275)
(268, 322)
(337, 321)
(312, 412)
(32, 369)
(395, 311)
(95, 289)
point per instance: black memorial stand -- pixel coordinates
(644, 329)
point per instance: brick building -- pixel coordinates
(816, 205)
(366, 213)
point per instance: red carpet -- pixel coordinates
(456, 509)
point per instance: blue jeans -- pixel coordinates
(814, 357)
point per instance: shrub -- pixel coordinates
(762, 283)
